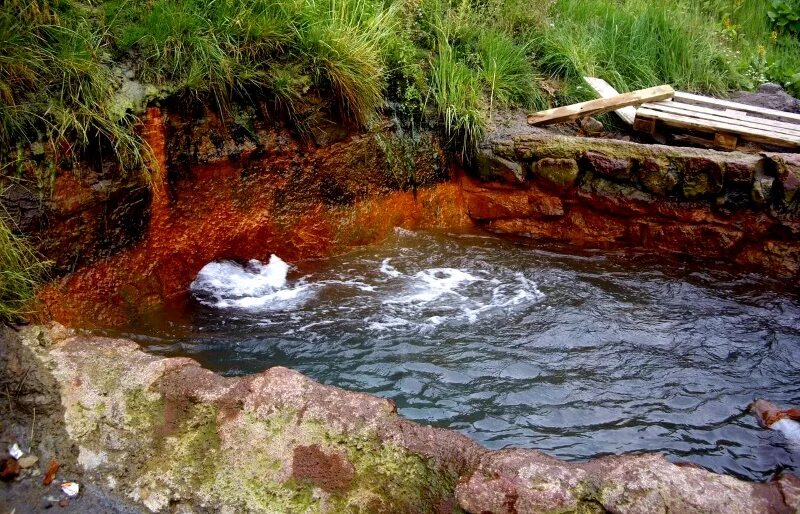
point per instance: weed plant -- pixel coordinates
(20, 272)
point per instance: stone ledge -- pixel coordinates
(684, 173)
(167, 433)
(604, 193)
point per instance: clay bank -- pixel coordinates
(166, 434)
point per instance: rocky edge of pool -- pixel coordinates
(171, 436)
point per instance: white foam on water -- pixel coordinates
(361, 286)
(254, 286)
(433, 283)
(790, 430)
(434, 297)
(387, 323)
(388, 269)
(421, 300)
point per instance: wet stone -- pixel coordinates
(741, 172)
(560, 174)
(701, 177)
(504, 149)
(657, 176)
(788, 168)
(608, 166)
(762, 189)
(493, 167)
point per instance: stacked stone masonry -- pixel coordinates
(600, 193)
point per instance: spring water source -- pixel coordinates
(576, 355)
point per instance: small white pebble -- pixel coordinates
(71, 489)
(14, 451)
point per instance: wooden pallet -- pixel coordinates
(727, 122)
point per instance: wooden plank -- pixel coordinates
(728, 116)
(592, 107)
(771, 114)
(647, 126)
(725, 142)
(687, 122)
(752, 122)
(606, 90)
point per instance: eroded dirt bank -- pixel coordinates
(227, 191)
(170, 435)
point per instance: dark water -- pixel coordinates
(578, 356)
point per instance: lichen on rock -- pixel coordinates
(169, 434)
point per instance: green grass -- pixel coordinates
(21, 271)
(455, 91)
(455, 61)
(56, 83)
(638, 45)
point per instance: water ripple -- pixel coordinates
(577, 355)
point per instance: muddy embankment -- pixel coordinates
(242, 190)
(170, 436)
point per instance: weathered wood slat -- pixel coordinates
(771, 114)
(760, 136)
(752, 122)
(592, 107)
(731, 114)
(606, 90)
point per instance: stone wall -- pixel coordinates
(601, 193)
(174, 437)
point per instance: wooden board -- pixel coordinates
(720, 116)
(606, 90)
(770, 114)
(592, 107)
(731, 128)
(733, 115)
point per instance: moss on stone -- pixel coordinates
(389, 478)
(144, 410)
(558, 173)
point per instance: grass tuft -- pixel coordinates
(456, 93)
(21, 272)
(636, 45)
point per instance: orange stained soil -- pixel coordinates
(218, 216)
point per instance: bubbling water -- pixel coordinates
(578, 355)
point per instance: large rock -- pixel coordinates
(529, 481)
(787, 167)
(173, 436)
(558, 174)
(770, 96)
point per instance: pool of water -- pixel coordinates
(576, 355)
